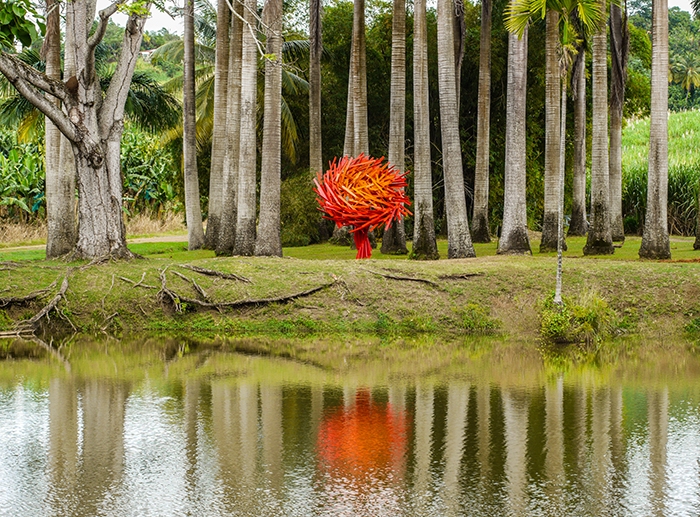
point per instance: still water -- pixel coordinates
(225, 434)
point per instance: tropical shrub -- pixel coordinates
(300, 217)
(586, 320)
(21, 180)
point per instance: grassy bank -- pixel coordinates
(384, 297)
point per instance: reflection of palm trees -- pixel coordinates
(515, 416)
(457, 405)
(271, 421)
(658, 439)
(554, 462)
(63, 445)
(423, 445)
(225, 405)
(600, 463)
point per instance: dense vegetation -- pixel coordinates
(151, 162)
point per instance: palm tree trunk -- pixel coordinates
(459, 243)
(599, 236)
(268, 242)
(552, 161)
(655, 241)
(514, 237)
(424, 245)
(315, 47)
(349, 142)
(359, 85)
(245, 222)
(227, 232)
(696, 245)
(480, 218)
(579, 224)
(219, 137)
(193, 211)
(60, 180)
(619, 50)
(394, 239)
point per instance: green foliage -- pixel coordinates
(475, 319)
(148, 171)
(21, 179)
(300, 217)
(17, 23)
(683, 173)
(693, 328)
(588, 320)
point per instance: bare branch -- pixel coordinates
(102, 27)
(14, 68)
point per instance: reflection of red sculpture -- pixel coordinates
(363, 193)
(365, 442)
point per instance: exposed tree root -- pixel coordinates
(168, 296)
(25, 300)
(459, 276)
(32, 324)
(405, 278)
(211, 272)
(9, 266)
(139, 283)
(202, 294)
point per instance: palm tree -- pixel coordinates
(424, 245)
(60, 168)
(619, 51)
(480, 217)
(459, 243)
(195, 232)
(359, 85)
(552, 159)
(599, 240)
(686, 71)
(514, 237)
(315, 46)
(219, 138)
(394, 240)
(655, 241)
(246, 214)
(268, 241)
(579, 224)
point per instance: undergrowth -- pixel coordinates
(589, 319)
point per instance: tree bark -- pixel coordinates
(193, 211)
(60, 180)
(227, 232)
(219, 138)
(599, 236)
(459, 244)
(514, 237)
(424, 245)
(579, 224)
(245, 222)
(315, 48)
(480, 218)
(552, 161)
(359, 86)
(394, 239)
(655, 241)
(268, 242)
(696, 245)
(619, 50)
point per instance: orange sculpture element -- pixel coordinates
(364, 193)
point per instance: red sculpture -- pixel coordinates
(364, 193)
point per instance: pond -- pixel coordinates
(498, 432)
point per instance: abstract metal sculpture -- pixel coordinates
(364, 193)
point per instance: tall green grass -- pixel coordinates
(683, 172)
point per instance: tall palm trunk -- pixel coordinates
(60, 179)
(514, 237)
(245, 221)
(227, 232)
(349, 141)
(480, 217)
(193, 211)
(655, 242)
(359, 85)
(696, 245)
(459, 243)
(315, 47)
(219, 138)
(424, 245)
(619, 50)
(394, 240)
(579, 224)
(552, 161)
(268, 240)
(599, 236)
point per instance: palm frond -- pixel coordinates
(292, 84)
(150, 106)
(290, 136)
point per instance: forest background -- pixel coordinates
(152, 142)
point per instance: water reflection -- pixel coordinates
(260, 445)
